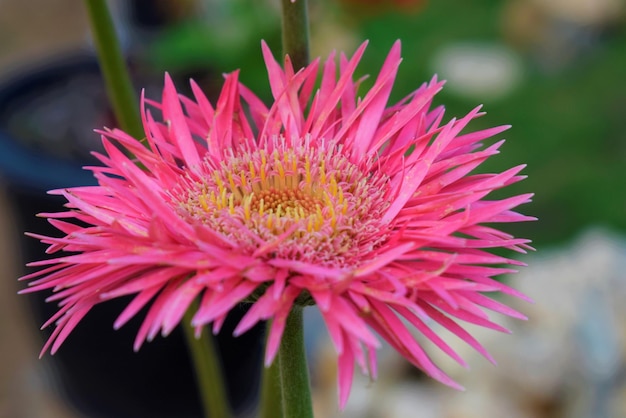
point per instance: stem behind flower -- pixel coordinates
(118, 85)
(271, 396)
(207, 369)
(296, 32)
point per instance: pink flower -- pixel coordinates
(369, 211)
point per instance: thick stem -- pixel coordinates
(207, 370)
(294, 373)
(292, 367)
(296, 32)
(118, 84)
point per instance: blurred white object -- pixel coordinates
(478, 70)
(584, 12)
(567, 361)
(558, 34)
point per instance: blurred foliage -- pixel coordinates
(567, 122)
(226, 37)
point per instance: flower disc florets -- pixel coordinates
(310, 202)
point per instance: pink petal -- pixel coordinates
(173, 113)
(345, 373)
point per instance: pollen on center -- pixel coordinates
(314, 193)
(285, 201)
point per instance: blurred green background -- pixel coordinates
(566, 102)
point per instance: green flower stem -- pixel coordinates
(118, 84)
(296, 32)
(294, 373)
(271, 396)
(207, 369)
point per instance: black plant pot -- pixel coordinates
(97, 370)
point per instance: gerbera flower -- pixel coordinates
(365, 209)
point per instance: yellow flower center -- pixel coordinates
(287, 202)
(327, 204)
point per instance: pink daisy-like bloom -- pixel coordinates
(369, 211)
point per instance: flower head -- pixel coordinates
(370, 211)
